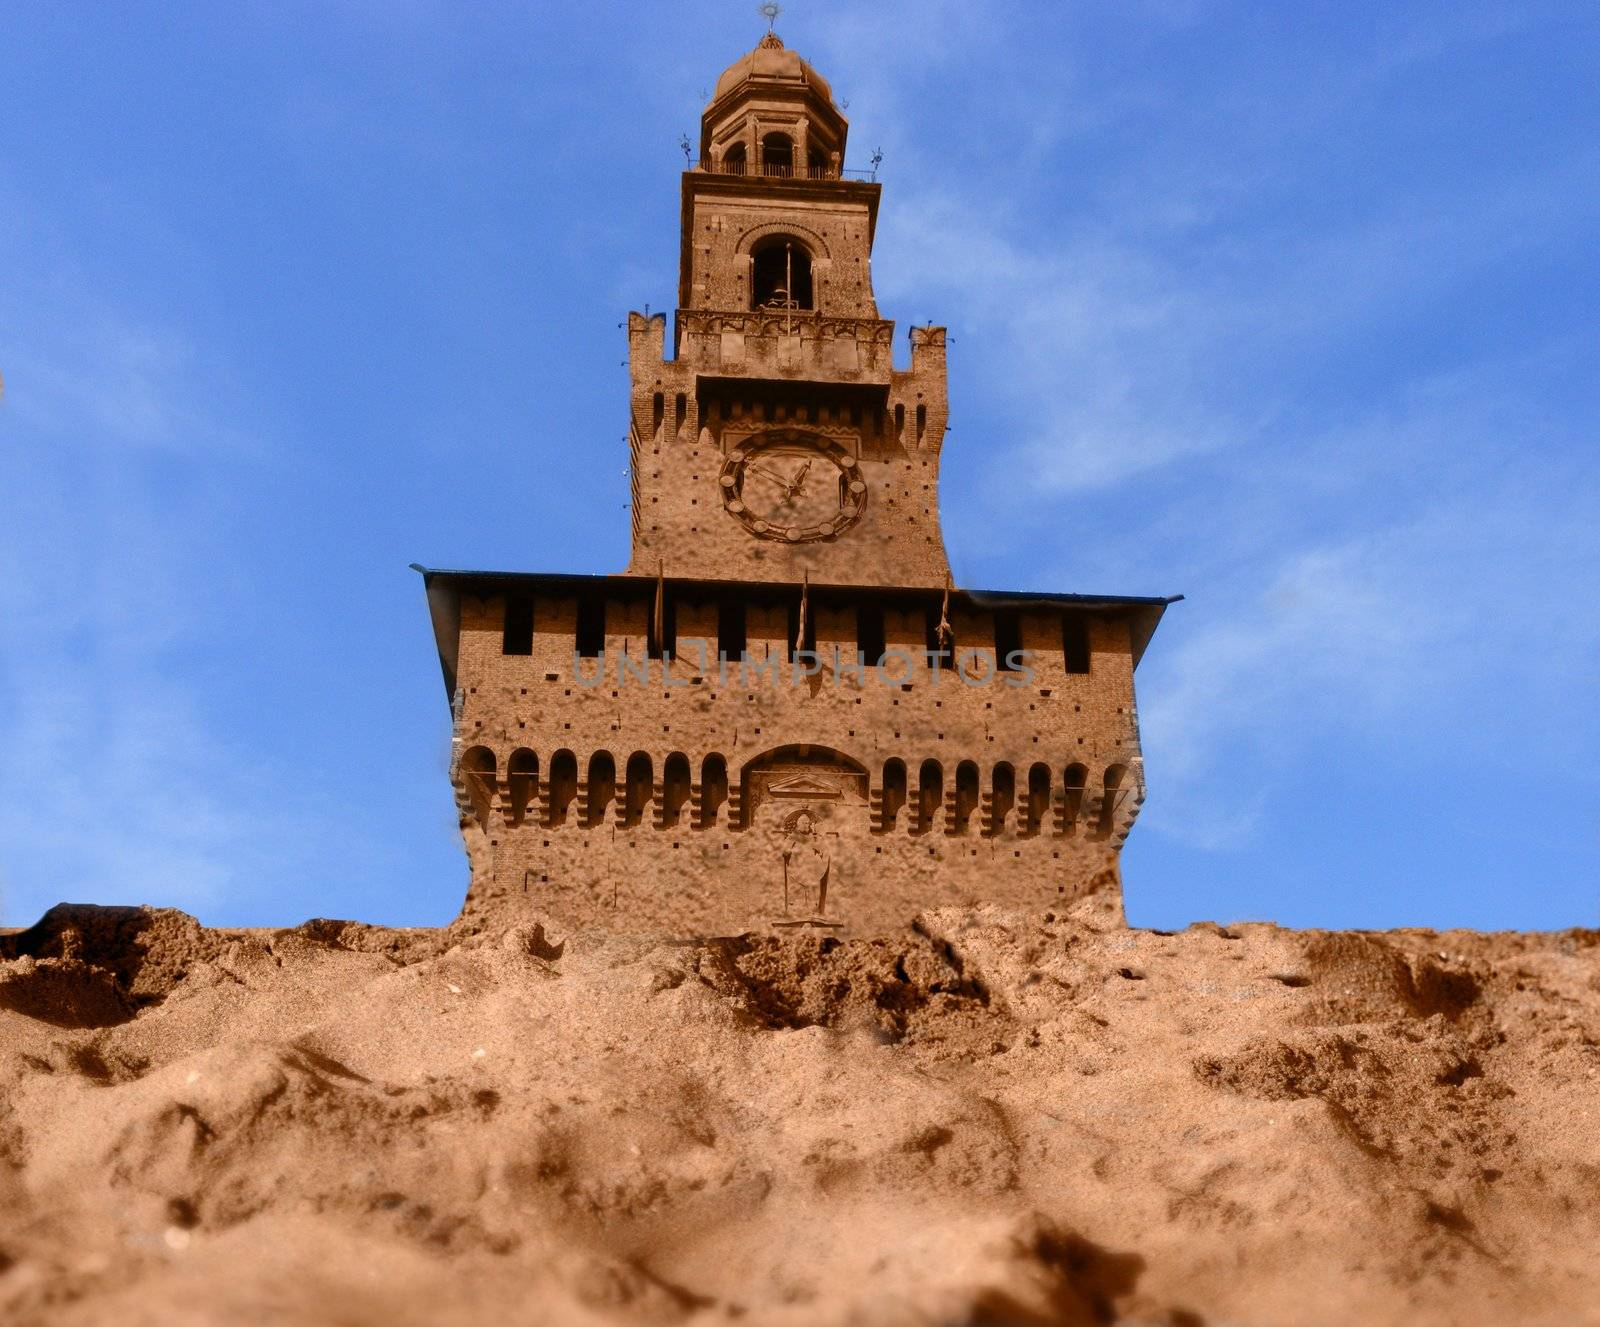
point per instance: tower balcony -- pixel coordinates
(780, 171)
(784, 344)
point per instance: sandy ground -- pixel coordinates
(998, 1118)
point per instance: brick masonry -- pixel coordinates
(783, 713)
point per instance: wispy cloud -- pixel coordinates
(1148, 397)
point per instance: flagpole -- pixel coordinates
(945, 633)
(800, 636)
(661, 610)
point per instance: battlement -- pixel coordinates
(787, 345)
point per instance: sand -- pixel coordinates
(995, 1118)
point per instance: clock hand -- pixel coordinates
(772, 475)
(799, 479)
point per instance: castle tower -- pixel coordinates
(783, 713)
(781, 386)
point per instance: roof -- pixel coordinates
(443, 586)
(770, 60)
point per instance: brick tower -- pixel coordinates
(783, 713)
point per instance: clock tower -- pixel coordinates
(778, 440)
(783, 713)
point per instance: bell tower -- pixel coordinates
(778, 441)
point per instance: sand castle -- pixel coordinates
(783, 712)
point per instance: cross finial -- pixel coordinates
(770, 11)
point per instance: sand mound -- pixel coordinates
(991, 1119)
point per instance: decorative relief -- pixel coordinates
(765, 322)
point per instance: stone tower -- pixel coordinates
(783, 713)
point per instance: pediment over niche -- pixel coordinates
(805, 785)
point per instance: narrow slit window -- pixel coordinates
(517, 637)
(1075, 642)
(731, 637)
(1007, 640)
(869, 633)
(591, 633)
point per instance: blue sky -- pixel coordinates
(1286, 308)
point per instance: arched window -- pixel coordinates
(780, 274)
(1073, 779)
(522, 774)
(638, 789)
(777, 154)
(1002, 797)
(893, 793)
(563, 786)
(733, 160)
(602, 788)
(713, 788)
(477, 773)
(1110, 798)
(966, 796)
(817, 164)
(674, 788)
(1038, 798)
(930, 795)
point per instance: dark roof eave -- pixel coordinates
(1144, 611)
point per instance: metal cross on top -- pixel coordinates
(770, 11)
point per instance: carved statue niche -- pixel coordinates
(805, 802)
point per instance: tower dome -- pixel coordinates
(771, 62)
(773, 114)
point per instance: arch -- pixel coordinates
(777, 154)
(522, 780)
(966, 796)
(601, 788)
(563, 787)
(783, 772)
(1110, 797)
(1002, 796)
(930, 794)
(780, 274)
(893, 793)
(675, 788)
(1038, 798)
(713, 788)
(733, 159)
(638, 788)
(815, 242)
(817, 164)
(1073, 781)
(477, 777)
(806, 754)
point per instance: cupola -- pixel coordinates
(773, 115)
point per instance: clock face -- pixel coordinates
(793, 486)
